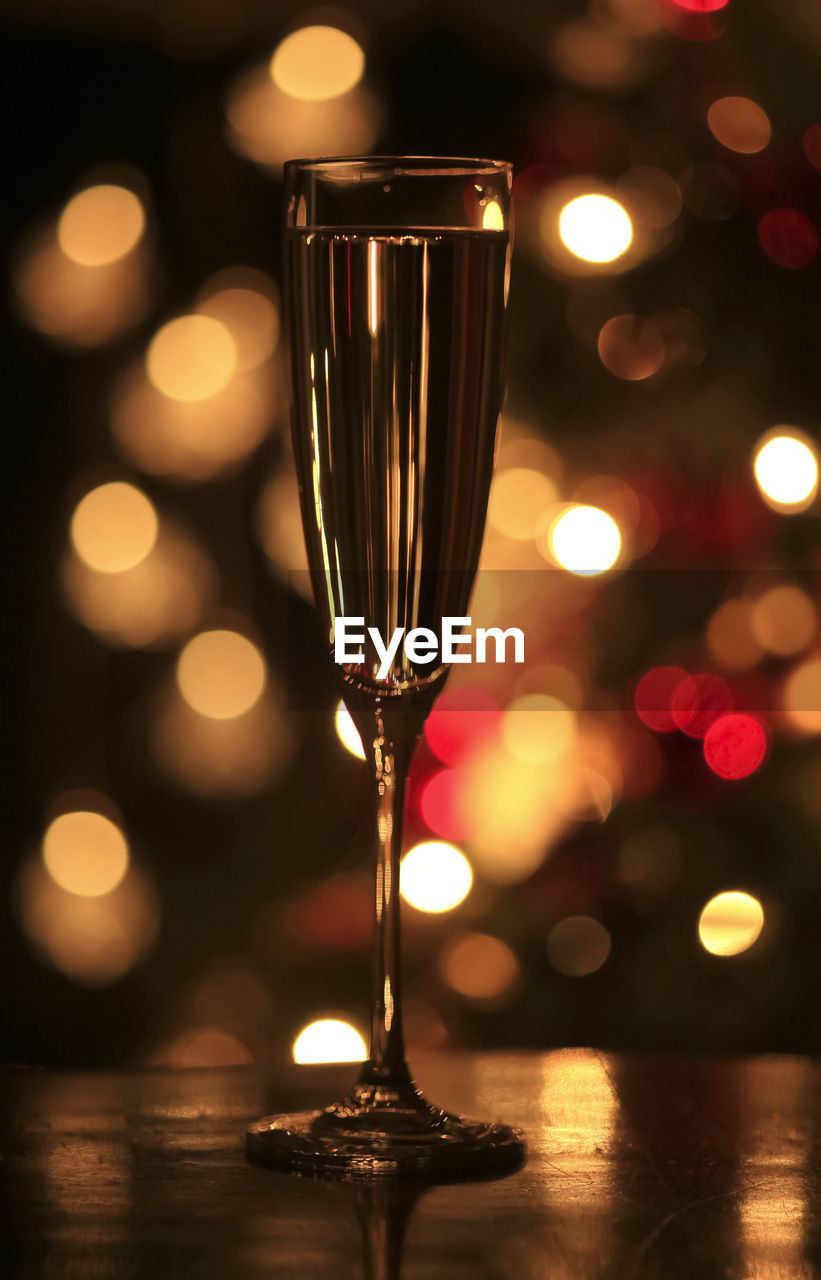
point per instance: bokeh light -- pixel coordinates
(739, 124)
(204, 1047)
(700, 6)
(652, 196)
(221, 674)
(653, 698)
(537, 728)
(812, 145)
(435, 877)
(93, 940)
(317, 62)
(786, 470)
(100, 225)
(784, 620)
(268, 125)
(191, 358)
(245, 301)
(578, 946)
(595, 228)
(709, 190)
(347, 731)
(584, 540)
(802, 697)
(461, 720)
(730, 923)
(699, 700)
(114, 527)
(150, 604)
(479, 966)
(85, 853)
(735, 746)
(730, 637)
(329, 1040)
(788, 238)
(631, 348)
(519, 497)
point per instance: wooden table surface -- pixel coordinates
(638, 1168)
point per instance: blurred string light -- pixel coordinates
(435, 877)
(221, 674)
(307, 100)
(479, 967)
(85, 853)
(329, 1040)
(203, 1046)
(519, 497)
(735, 746)
(583, 539)
(699, 700)
(786, 470)
(730, 923)
(149, 604)
(784, 620)
(578, 946)
(812, 145)
(739, 124)
(100, 225)
(279, 528)
(709, 190)
(461, 720)
(730, 638)
(347, 731)
(245, 301)
(802, 697)
(788, 238)
(191, 358)
(537, 728)
(114, 527)
(597, 55)
(651, 196)
(653, 697)
(317, 62)
(93, 940)
(595, 228)
(631, 348)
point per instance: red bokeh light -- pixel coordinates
(698, 701)
(459, 721)
(812, 145)
(735, 745)
(788, 238)
(700, 6)
(441, 807)
(654, 695)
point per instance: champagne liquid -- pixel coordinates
(397, 372)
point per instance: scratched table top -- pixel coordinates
(638, 1168)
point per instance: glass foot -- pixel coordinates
(381, 1132)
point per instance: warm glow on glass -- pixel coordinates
(537, 728)
(317, 62)
(479, 966)
(347, 732)
(114, 527)
(585, 540)
(802, 697)
(100, 225)
(221, 674)
(85, 853)
(578, 946)
(518, 500)
(329, 1040)
(739, 124)
(492, 217)
(784, 620)
(595, 228)
(435, 876)
(191, 358)
(786, 470)
(730, 923)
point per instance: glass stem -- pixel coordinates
(386, 1064)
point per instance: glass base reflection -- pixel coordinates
(377, 1131)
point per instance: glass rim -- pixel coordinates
(445, 166)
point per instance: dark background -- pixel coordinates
(255, 933)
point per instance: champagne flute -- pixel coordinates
(397, 274)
